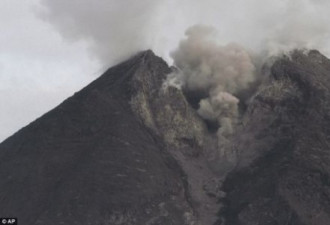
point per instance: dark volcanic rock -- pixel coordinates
(283, 173)
(128, 150)
(92, 161)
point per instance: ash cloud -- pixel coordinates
(209, 62)
(219, 71)
(114, 29)
(117, 29)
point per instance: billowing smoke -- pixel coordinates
(116, 29)
(219, 71)
(221, 108)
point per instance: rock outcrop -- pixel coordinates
(124, 150)
(283, 172)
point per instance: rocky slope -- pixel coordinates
(121, 151)
(128, 150)
(282, 176)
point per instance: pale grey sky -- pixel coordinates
(51, 48)
(38, 68)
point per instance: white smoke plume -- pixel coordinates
(116, 29)
(220, 71)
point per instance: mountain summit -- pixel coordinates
(128, 150)
(104, 156)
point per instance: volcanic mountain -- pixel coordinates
(106, 154)
(128, 149)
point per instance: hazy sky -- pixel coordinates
(51, 48)
(38, 68)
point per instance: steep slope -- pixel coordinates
(283, 173)
(92, 160)
(128, 150)
(165, 110)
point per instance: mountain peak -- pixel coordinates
(128, 150)
(107, 155)
(148, 53)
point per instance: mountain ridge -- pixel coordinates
(128, 150)
(283, 148)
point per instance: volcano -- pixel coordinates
(129, 150)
